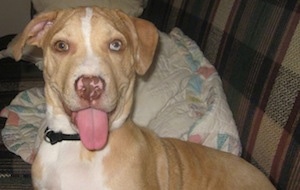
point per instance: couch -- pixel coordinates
(255, 47)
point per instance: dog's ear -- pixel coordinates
(33, 33)
(147, 41)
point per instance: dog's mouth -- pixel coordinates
(93, 127)
(91, 121)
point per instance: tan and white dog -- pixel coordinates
(91, 57)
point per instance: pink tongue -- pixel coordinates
(93, 128)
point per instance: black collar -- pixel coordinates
(55, 137)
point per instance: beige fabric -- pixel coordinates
(132, 7)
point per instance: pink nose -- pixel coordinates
(89, 87)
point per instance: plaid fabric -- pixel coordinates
(255, 46)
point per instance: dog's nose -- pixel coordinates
(89, 87)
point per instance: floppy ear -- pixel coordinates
(33, 33)
(147, 41)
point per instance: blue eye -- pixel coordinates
(115, 45)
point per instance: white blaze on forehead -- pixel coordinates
(86, 30)
(90, 64)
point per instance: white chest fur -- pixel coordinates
(67, 165)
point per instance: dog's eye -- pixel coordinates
(61, 46)
(115, 45)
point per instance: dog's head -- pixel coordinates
(91, 56)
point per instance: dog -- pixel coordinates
(91, 58)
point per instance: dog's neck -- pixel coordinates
(56, 137)
(59, 121)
